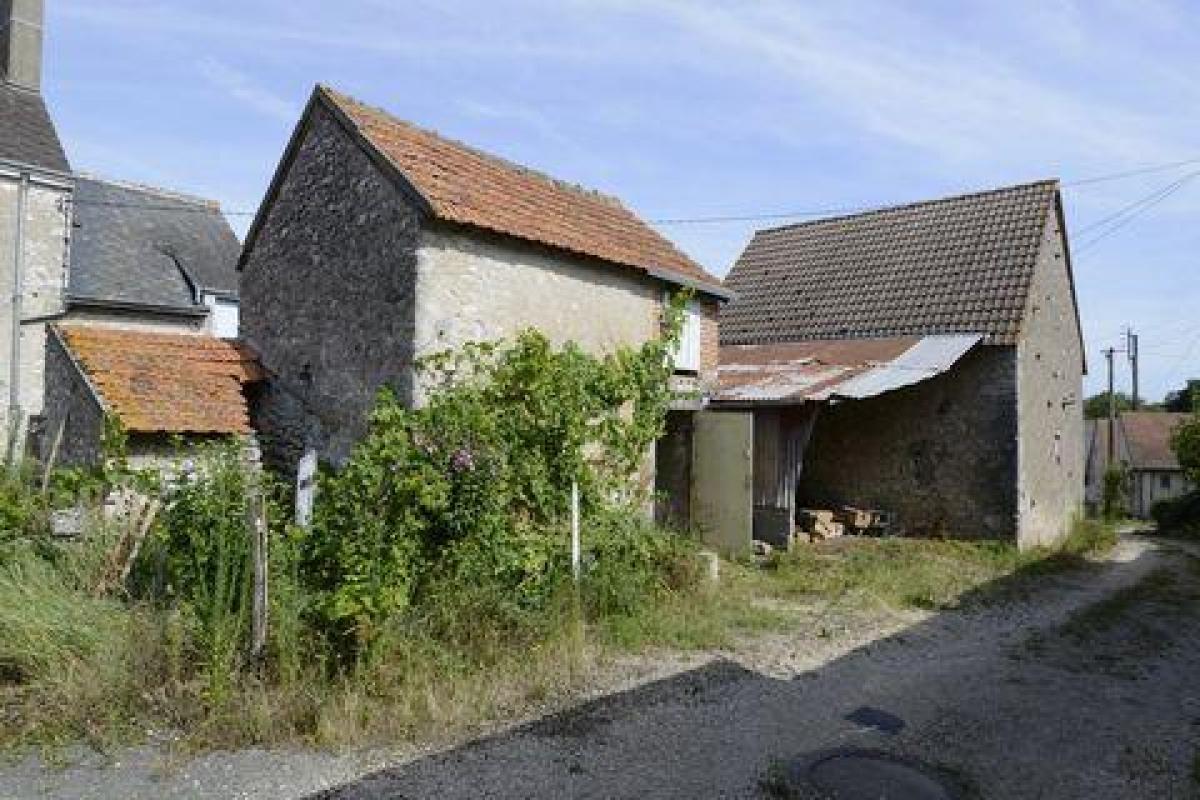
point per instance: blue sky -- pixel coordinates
(693, 109)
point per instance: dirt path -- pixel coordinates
(1086, 689)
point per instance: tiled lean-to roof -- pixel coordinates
(462, 185)
(165, 382)
(956, 265)
(138, 244)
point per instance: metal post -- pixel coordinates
(1112, 410)
(1132, 347)
(14, 368)
(256, 529)
(306, 476)
(575, 545)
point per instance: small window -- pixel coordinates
(222, 316)
(1164, 481)
(687, 356)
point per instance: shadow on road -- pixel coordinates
(973, 696)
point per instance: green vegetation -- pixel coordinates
(1114, 493)
(434, 589)
(1096, 406)
(1181, 516)
(924, 573)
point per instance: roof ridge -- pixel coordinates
(911, 205)
(158, 191)
(341, 98)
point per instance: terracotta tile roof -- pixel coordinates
(955, 265)
(1147, 438)
(163, 382)
(470, 187)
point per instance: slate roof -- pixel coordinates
(27, 133)
(460, 184)
(165, 382)
(134, 244)
(956, 265)
(1147, 438)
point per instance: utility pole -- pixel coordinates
(1112, 409)
(1131, 347)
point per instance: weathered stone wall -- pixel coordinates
(327, 297)
(1050, 391)
(71, 405)
(43, 283)
(474, 287)
(941, 454)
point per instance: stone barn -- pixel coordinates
(924, 360)
(379, 242)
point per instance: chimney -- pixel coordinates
(21, 43)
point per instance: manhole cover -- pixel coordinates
(874, 776)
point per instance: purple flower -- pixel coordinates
(462, 460)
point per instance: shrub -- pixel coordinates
(1179, 515)
(462, 490)
(1185, 441)
(1115, 492)
(197, 559)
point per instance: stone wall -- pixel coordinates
(475, 287)
(71, 405)
(1050, 390)
(941, 454)
(43, 283)
(327, 297)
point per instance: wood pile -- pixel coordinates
(818, 524)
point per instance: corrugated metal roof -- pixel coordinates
(831, 370)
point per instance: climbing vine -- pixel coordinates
(475, 481)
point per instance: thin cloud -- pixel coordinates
(242, 88)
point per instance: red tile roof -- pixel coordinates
(164, 382)
(1147, 436)
(470, 187)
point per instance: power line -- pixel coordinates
(1132, 211)
(752, 217)
(1114, 176)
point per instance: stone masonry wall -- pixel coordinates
(473, 287)
(941, 454)
(1050, 384)
(327, 297)
(43, 284)
(71, 405)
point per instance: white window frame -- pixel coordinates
(687, 352)
(223, 315)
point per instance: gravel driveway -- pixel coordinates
(1087, 688)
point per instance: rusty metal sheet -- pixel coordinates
(798, 372)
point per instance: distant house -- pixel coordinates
(924, 360)
(35, 220)
(1142, 446)
(163, 388)
(151, 257)
(85, 250)
(379, 242)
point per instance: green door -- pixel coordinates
(723, 480)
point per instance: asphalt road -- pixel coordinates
(1088, 689)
